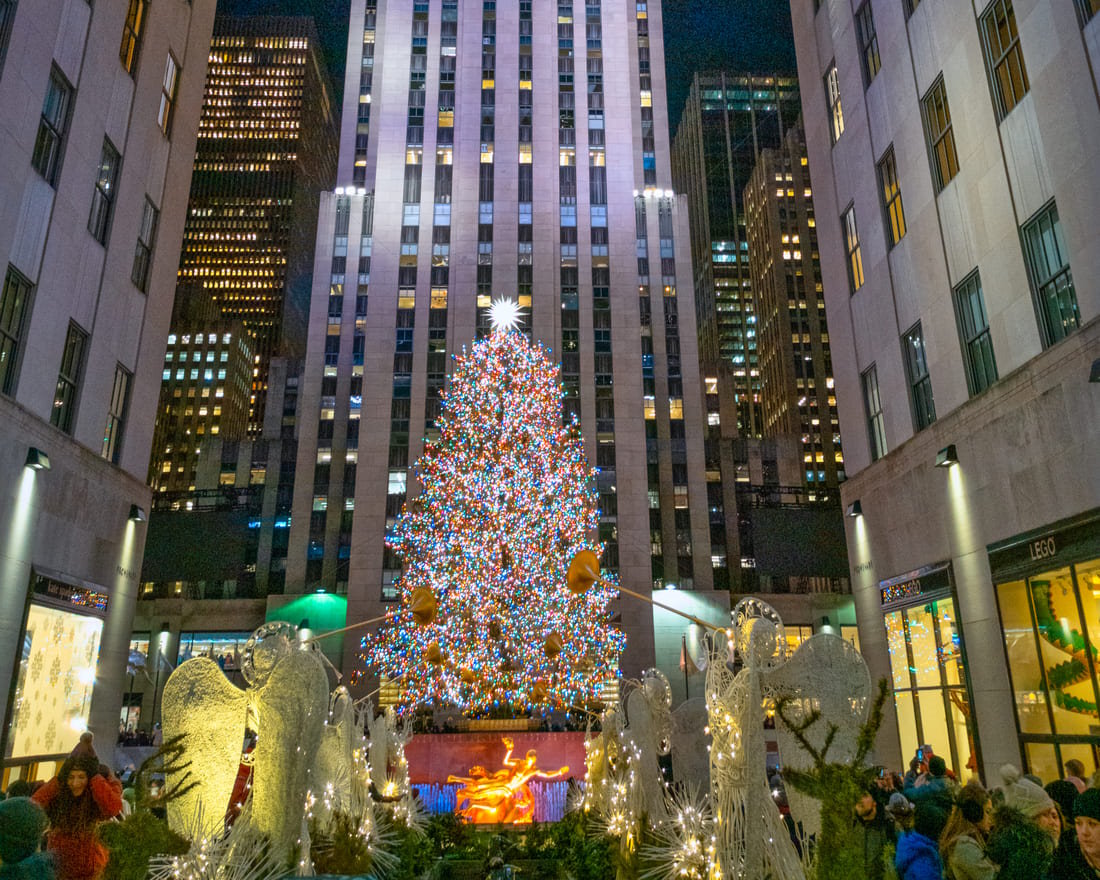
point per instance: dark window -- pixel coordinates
(49, 144)
(1003, 57)
(1048, 263)
(68, 379)
(7, 16)
(1086, 9)
(103, 197)
(832, 101)
(891, 198)
(131, 34)
(143, 252)
(116, 415)
(13, 307)
(872, 405)
(920, 383)
(910, 6)
(940, 135)
(977, 346)
(851, 245)
(868, 42)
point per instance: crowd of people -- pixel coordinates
(926, 826)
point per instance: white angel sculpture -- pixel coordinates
(751, 839)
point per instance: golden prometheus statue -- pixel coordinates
(503, 797)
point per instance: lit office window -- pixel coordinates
(131, 34)
(872, 405)
(103, 196)
(1003, 57)
(851, 245)
(891, 197)
(940, 135)
(168, 89)
(832, 99)
(868, 42)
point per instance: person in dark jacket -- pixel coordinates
(918, 856)
(1021, 847)
(1079, 858)
(877, 831)
(939, 791)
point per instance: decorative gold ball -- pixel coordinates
(434, 654)
(553, 645)
(540, 691)
(468, 675)
(583, 572)
(423, 605)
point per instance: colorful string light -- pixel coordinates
(507, 499)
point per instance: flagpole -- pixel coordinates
(684, 651)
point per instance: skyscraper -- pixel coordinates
(99, 106)
(960, 257)
(266, 149)
(796, 371)
(520, 151)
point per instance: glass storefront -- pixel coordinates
(222, 647)
(927, 667)
(1048, 592)
(57, 669)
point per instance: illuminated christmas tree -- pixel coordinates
(507, 499)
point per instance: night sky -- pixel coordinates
(738, 35)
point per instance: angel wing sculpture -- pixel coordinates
(287, 702)
(826, 673)
(751, 839)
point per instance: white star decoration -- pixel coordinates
(504, 314)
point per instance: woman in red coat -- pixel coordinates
(83, 794)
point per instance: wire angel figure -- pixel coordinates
(751, 840)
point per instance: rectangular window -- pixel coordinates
(1086, 9)
(131, 35)
(872, 406)
(910, 6)
(940, 135)
(143, 252)
(1003, 58)
(832, 100)
(7, 16)
(977, 345)
(49, 144)
(103, 197)
(116, 415)
(13, 308)
(920, 383)
(68, 379)
(168, 94)
(1048, 264)
(851, 245)
(891, 198)
(868, 42)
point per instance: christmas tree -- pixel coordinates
(507, 498)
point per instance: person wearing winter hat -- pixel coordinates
(963, 841)
(900, 809)
(917, 857)
(1079, 859)
(1031, 801)
(83, 794)
(1063, 793)
(22, 823)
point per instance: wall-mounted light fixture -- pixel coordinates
(854, 509)
(1094, 373)
(137, 513)
(304, 632)
(37, 460)
(947, 456)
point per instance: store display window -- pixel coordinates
(927, 667)
(58, 663)
(1051, 622)
(222, 647)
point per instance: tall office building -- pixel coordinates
(99, 108)
(961, 262)
(796, 370)
(727, 121)
(493, 150)
(266, 149)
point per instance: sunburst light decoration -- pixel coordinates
(504, 314)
